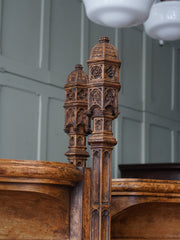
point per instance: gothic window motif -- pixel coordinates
(98, 124)
(106, 162)
(71, 141)
(95, 97)
(82, 94)
(110, 71)
(95, 223)
(96, 72)
(80, 141)
(109, 98)
(96, 156)
(81, 117)
(70, 116)
(96, 111)
(95, 212)
(105, 213)
(106, 156)
(79, 164)
(70, 94)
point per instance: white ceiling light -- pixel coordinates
(164, 21)
(118, 13)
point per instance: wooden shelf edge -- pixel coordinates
(39, 172)
(145, 186)
(50, 178)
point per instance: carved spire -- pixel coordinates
(76, 120)
(103, 87)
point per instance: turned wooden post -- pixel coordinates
(76, 120)
(103, 87)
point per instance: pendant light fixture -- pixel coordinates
(118, 13)
(164, 21)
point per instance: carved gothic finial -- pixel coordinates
(103, 88)
(104, 39)
(76, 120)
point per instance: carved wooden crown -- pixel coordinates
(104, 50)
(77, 76)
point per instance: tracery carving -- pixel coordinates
(71, 141)
(103, 108)
(70, 94)
(95, 97)
(96, 111)
(98, 124)
(81, 116)
(82, 94)
(77, 124)
(96, 72)
(110, 71)
(80, 141)
(109, 98)
(70, 116)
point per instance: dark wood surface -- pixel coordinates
(167, 171)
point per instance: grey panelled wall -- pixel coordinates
(40, 43)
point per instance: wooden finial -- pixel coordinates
(104, 39)
(103, 87)
(76, 120)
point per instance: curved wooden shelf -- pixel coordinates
(145, 186)
(39, 172)
(35, 199)
(127, 192)
(38, 176)
(145, 208)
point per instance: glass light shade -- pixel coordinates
(164, 21)
(118, 13)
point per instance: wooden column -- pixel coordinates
(77, 126)
(103, 87)
(76, 120)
